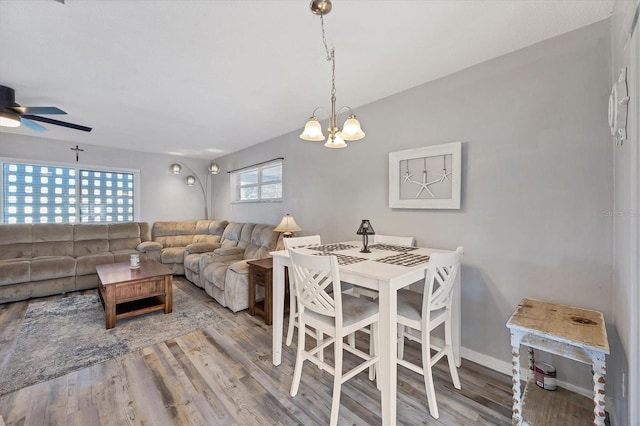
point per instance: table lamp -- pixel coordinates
(365, 230)
(287, 226)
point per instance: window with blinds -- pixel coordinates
(261, 183)
(34, 193)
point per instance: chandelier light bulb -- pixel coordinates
(351, 131)
(175, 168)
(336, 142)
(190, 180)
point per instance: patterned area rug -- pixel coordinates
(57, 337)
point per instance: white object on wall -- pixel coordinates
(618, 101)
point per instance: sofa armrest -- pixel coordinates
(202, 247)
(148, 246)
(226, 254)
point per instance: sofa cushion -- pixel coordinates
(52, 239)
(263, 241)
(15, 241)
(124, 236)
(50, 267)
(172, 255)
(215, 273)
(174, 234)
(233, 233)
(86, 265)
(14, 271)
(90, 239)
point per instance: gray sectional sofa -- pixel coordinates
(44, 259)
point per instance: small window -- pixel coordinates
(260, 183)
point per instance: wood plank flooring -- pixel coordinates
(223, 375)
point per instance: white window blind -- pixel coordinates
(33, 193)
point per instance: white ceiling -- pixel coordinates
(206, 78)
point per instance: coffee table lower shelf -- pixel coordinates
(137, 307)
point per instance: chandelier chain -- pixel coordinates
(331, 57)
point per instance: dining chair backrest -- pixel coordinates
(293, 242)
(313, 278)
(439, 279)
(394, 240)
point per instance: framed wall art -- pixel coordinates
(426, 178)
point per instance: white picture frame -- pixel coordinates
(426, 178)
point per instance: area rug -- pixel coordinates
(60, 336)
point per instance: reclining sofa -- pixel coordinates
(45, 259)
(224, 273)
(173, 241)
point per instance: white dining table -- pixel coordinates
(387, 279)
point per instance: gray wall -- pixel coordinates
(625, 337)
(164, 195)
(537, 181)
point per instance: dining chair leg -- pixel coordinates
(400, 341)
(337, 381)
(428, 376)
(452, 364)
(375, 344)
(293, 315)
(319, 340)
(297, 372)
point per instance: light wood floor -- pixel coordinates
(223, 375)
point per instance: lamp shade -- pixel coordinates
(312, 131)
(190, 180)
(351, 131)
(9, 119)
(287, 225)
(214, 168)
(175, 168)
(365, 228)
(336, 142)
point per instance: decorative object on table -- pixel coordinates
(618, 107)
(213, 169)
(365, 230)
(404, 259)
(134, 261)
(351, 130)
(391, 247)
(287, 226)
(332, 247)
(440, 169)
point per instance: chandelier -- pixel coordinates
(351, 130)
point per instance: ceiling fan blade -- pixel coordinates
(32, 125)
(58, 122)
(38, 110)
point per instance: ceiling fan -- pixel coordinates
(12, 114)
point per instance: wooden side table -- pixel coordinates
(261, 274)
(573, 333)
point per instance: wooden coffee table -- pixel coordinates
(125, 292)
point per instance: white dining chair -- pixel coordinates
(334, 314)
(425, 313)
(393, 240)
(289, 243)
